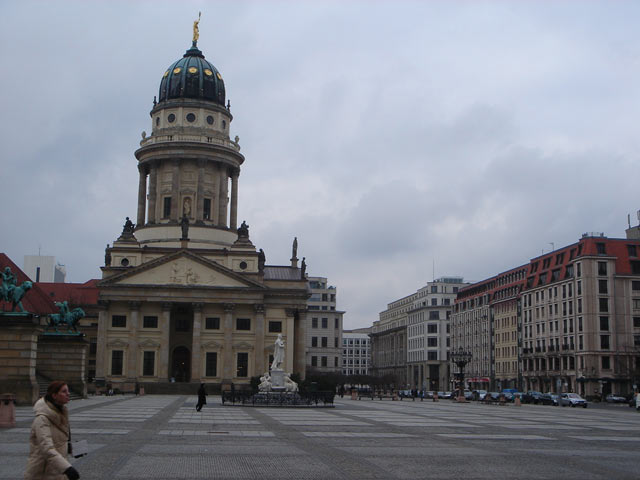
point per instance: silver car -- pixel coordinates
(572, 399)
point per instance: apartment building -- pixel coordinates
(428, 331)
(324, 328)
(356, 351)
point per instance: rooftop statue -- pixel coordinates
(196, 30)
(10, 291)
(66, 317)
(243, 230)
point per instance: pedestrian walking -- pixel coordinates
(50, 439)
(202, 397)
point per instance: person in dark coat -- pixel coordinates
(202, 397)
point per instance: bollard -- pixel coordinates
(354, 394)
(7, 410)
(517, 402)
(141, 391)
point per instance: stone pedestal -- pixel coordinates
(277, 380)
(63, 357)
(7, 410)
(18, 348)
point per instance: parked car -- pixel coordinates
(572, 399)
(549, 399)
(612, 398)
(531, 397)
(479, 394)
(508, 396)
(468, 395)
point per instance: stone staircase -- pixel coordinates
(43, 384)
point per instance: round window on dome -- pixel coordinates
(243, 265)
(166, 74)
(219, 76)
(191, 117)
(177, 70)
(124, 262)
(208, 72)
(210, 120)
(171, 118)
(193, 70)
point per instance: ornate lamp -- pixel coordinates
(460, 357)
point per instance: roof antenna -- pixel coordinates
(553, 246)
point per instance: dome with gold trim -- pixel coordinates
(192, 77)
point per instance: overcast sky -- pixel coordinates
(387, 136)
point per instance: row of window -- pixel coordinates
(184, 325)
(324, 322)
(323, 342)
(323, 361)
(149, 363)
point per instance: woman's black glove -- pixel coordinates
(72, 473)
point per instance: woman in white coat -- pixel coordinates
(50, 437)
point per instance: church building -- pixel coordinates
(185, 296)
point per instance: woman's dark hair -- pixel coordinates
(55, 387)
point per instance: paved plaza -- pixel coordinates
(163, 437)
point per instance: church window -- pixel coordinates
(212, 323)
(171, 118)
(211, 364)
(243, 265)
(224, 124)
(124, 262)
(191, 117)
(206, 213)
(242, 364)
(119, 321)
(117, 357)
(166, 207)
(157, 121)
(275, 327)
(210, 120)
(150, 322)
(148, 363)
(243, 324)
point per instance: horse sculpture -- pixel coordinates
(66, 318)
(15, 293)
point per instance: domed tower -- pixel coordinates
(189, 167)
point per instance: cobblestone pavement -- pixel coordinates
(163, 437)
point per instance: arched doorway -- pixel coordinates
(181, 364)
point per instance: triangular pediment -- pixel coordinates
(212, 345)
(117, 343)
(182, 268)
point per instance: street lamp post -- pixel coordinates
(461, 357)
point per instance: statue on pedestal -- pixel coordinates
(10, 291)
(278, 353)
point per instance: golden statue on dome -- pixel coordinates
(196, 31)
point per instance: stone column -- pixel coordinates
(222, 197)
(196, 354)
(142, 194)
(199, 207)
(101, 347)
(153, 192)
(259, 360)
(132, 357)
(227, 362)
(216, 197)
(165, 325)
(300, 332)
(233, 221)
(176, 208)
